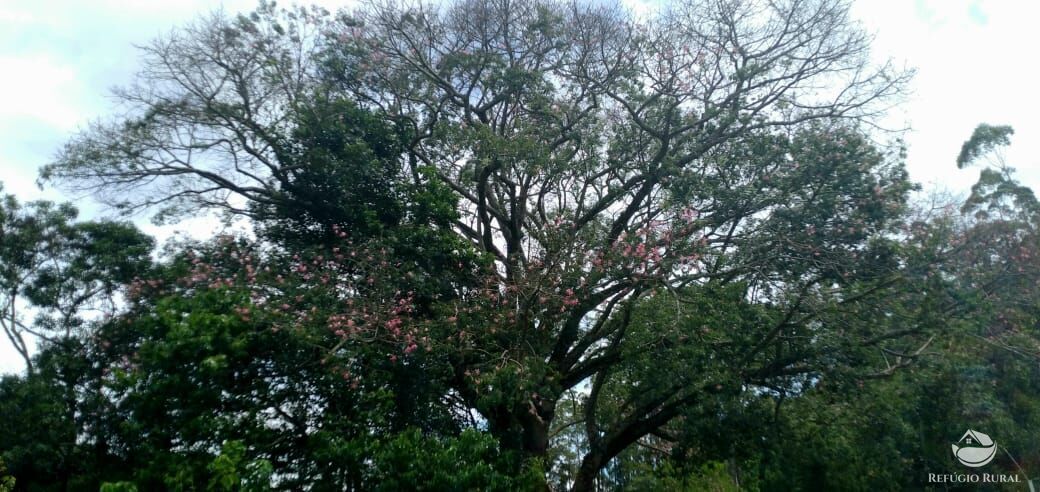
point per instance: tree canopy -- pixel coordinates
(517, 244)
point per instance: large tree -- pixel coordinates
(55, 272)
(673, 208)
(972, 266)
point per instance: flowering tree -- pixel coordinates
(649, 213)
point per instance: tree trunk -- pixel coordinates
(535, 420)
(536, 436)
(586, 479)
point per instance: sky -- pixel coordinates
(974, 60)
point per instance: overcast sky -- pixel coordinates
(975, 62)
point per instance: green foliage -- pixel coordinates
(215, 379)
(35, 434)
(230, 472)
(712, 476)
(984, 140)
(42, 437)
(517, 245)
(7, 482)
(471, 461)
(59, 268)
(118, 487)
(343, 172)
(997, 194)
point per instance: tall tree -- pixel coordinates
(707, 157)
(55, 270)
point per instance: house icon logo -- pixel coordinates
(975, 449)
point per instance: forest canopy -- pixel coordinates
(518, 245)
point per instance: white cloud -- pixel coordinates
(39, 88)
